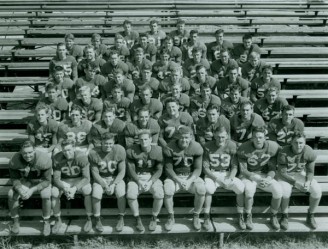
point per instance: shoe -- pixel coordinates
(57, 226)
(249, 222)
(16, 226)
(153, 224)
(99, 227)
(311, 221)
(196, 222)
(140, 227)
(88, 225)
(207, 223)
(274, 222)
(284, 221)
(241, 222)
(46, 228)
(169, 223)
(120, 223)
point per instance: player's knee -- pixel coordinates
(209, 186)
(276, 190)
(97, 191)
(54, 192)
(120, 189)
(200, 188)
(12, 194)
(238, 186)
(286, 189)
(132, 191)
(157, 190)
(86, 189)
(315, 191)
(169, 187)
(250, 190)
(46, 193)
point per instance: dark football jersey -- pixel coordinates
(78, 134)
(269, 111)
(90, 110)
(42, 134)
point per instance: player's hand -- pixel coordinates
(265, 182)
(141, 185)
(110, 189)
(227, 182)
(27, 194)
(147, 185)
(22, 191)
(187, 184)
(306, 186)
(71, 192)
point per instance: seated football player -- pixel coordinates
(145, 167)
(130, 36)
(137, 63)
(176, 93)
(120, 47)
(194, 61)
(76, 128)
(156, 33)
(242, 51)
(220, 68)
(146, 80)
(231, 104)
(174, 51)
(91, 79)
(120, 103)
(257, 163)
(42, 130)
(199, 104)
(30, 172)
(206, 126)
(58, 105)
(252, 69)
(201, 78)
(108, 167)
(146, 101)
(243, 123)
(119, 79)
(108, 123)
(175, 76)
(100, 48)
(282, 129)
(150, 50)
(170, 122)
(68, 62)
(220, 168)
(113, 63)
(71, 176)
(183, 166)
(223, 85)
(162, 68)
(262, 83)
(192, 42)
(180, 35)
(214, 48)
(296, 164)
(90, 56)
(73, 49)
(92, 107)
(271, 105)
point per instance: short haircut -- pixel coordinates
(147, 67)
(59, 68)
(288, 108)
(199, 67)
(84, 89)
(109, 109)
(184, 130)
(220, 129)
(117, 86)
(127, 22)
(77, 108)
(60, 44)
(180, 21)
(143, 35)
(247, 36)
(267, 67)
(254, 54)
(107, 136)
(235, 87)
(219, 31)
(261, 129)
(245, 103)
(144, 131)
(146, 88)
(95, 36)
(176, 69)
(197, 49)
(27, 144)
(205, 86)
(69, 36)
(194, 31)
(213, 107)
(165, 51)
(42, 106)
(298, 134)
(118, 71)
(153, 22)
(90, 65)
(68, 141)
(233, 68)
(224, 50)
(272, 88)
(89, 46)
(118, 36)
(143, 109)
(51, 86)
(139, 50)
(171, 100)
(168, 38)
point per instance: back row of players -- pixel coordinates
(165, 117)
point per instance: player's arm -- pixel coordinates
(130, 91)
(197, 167)
(94, 137)
(74, 70)
(121, 167)
(244, 171)
(169, 170)
(132, 170)
(159, 111)
(157, 174)
(233, 167)
(85, 176)
(15, 177)
(253, 96)
(46, 178)
(96, 176)
(272, 164)
(98, 113)
(206, 167)
(309, 171)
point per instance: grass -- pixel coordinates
(233, 241)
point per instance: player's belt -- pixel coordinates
(143, 173)
(221, 170)
(183, 174)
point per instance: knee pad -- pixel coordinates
(46, 193)
(276, 190)
(200, 188)
(157, 190)
(86, 190)
(250, 190)
(210, 186)
(238, 186)
(315, 190)
(55, 192)
(286, 189)
(120, 189)
(169, 187)
(12, 194)
(132, 191)
(97, 191)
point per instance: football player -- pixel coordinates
(221, 67)
(231, 104)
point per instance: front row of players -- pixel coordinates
(262, 163)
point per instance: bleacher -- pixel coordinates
(292, 35)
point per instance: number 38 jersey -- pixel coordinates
(183, 159)
(220, 159)
(259, 160)
(107, 162)
(79, 134)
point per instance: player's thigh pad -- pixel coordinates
(315, 189)
(46, 193)
(286, 189)
(197, 187)
(55, 192)
(132, 190)
(157, 189)
(120, 189)
(237, 186)
(86, 190)
(250, 187)
(210, 186)
(274, 188)
(97, 191)
(170, 187)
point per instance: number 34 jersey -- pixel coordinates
(107, 162)
(220, 159)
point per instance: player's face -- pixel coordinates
(165, 58)
(42, 116)
(127, 27)
(119, 78)
(221, 138)
(224, 57)
(119, 43)
(287, 116)
(145, 96)
(86, 96)
(172, 108)
(146, 75)
(271, 97)
(154, 27)
(254, 61)
(181, 27)
(194, 37)
(247, 43)
(258, 140)
(298, 145)
(114, 59)
(69, 43)
(90, 54)
(219, 37)
(108, 118)
(96, 42)
(212, 116)
(176, 90)
(235, 96)
(246, 111)
(90, 73)
(52, 94)
(197, 56)
(184, 140)
(139, 56)
(61, 51)
(169, 44)
(144, 41)
(145, 140)
(28, 154)
(68, 151)
(206, 93)
(175, 76)
(143, 118)
(107, 145)
(233, 74)
(117, 93)
(59, 76)
(201, 74)
(76, 116)
(267, 74)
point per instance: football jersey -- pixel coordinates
(108, 68)
(154, 107)
(98, 61)
(224, 84)
(66, 88)
(220, 159)
(269, 111)
(137, 67)
(94, 84)
(191, 63)
(249, 72)
(295, 162)
(205, 129)
(149, 51)
(259, 87)
(240, 49)
(76, 51)
(42, 134)
(184, 101)
(183, 159)
(58, 108)
(195, 84)
(165, 85)
(259, 160)
(130, 38)
(122, 107)
(158, 37)
(213, 49)
(107, 162)
(161, 70)
(90, 110)
(145, 162)
(281, 133)
(176, 54)
(199, 105)
(229, 108)
(141, 84)
(69, 64)
(170, 125)
(187, 48)
(217, 67)
(178, 37)
(78, 134)
(127, 87)
(241, 131)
